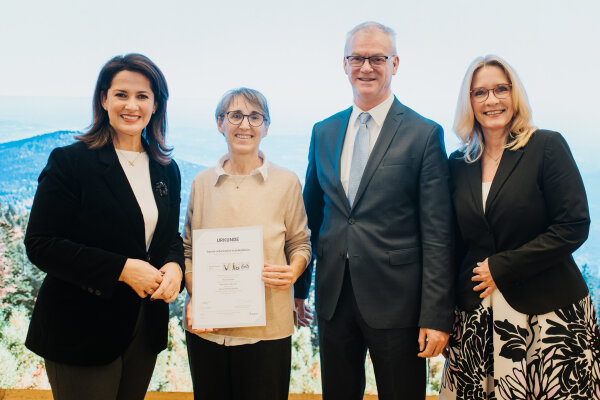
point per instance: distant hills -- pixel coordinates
(21, 162)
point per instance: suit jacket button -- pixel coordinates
(148, 257)
(350, 221)
(98, 292)
(90, 290)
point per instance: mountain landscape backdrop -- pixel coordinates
(21, 162)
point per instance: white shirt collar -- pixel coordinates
(262, 170)
(378, 113)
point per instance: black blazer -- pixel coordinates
(398, 232)
(85, 222)
(536, 215)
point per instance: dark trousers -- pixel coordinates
(259, 371)
(343, 343)
(126, 378)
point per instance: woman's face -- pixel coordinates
(243, 138)
(129, 103)
(493, 114)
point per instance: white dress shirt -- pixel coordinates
(378, 115)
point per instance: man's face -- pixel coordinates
(370, 84)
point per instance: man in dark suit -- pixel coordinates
(379, 210)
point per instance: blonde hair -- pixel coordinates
(468, 128)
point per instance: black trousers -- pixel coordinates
(126, 378)
(344, 341)
(259, 371)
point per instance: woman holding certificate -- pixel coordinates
(244, 189)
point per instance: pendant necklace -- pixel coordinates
(238, 182)
(495, 160)
(130, 162)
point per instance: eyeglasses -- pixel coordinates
(501, 91)
(375, 61)
(236, 118)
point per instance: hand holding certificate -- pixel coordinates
(278, 276)
(228, 289)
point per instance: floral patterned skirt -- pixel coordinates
(495, 352)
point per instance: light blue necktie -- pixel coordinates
(360, 156)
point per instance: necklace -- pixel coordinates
(237, 183)
(130, 162)
(495, 160)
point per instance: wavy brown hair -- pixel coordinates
(101, 132)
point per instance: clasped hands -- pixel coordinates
(146, 280)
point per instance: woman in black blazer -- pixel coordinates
(104, 227)
(525, 325)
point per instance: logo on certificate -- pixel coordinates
(236, 266)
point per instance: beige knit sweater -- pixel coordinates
(273, 200)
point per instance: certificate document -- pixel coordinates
(227, 289)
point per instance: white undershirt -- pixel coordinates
(138, 176)
(378, 116)
(485, 190)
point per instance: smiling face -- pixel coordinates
(242, 139)
(494, 114)
(371, 85)
(129, 103)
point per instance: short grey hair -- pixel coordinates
(371, 26)
(252, 96)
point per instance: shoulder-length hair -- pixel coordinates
(101, 132)
(468, 128)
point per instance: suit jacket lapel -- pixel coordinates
(474, 179)
(510, 159)
(391, 125)
(337, 144)
(162, 195)
(117, 182)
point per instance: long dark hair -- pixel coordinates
(100, 132)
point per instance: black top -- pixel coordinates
(85, 222)
(536, 216)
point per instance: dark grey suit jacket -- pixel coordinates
(398, 233)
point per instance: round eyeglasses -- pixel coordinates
(375, 61)
(236, 118)
(501, 91)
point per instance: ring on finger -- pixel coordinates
(151, 291)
